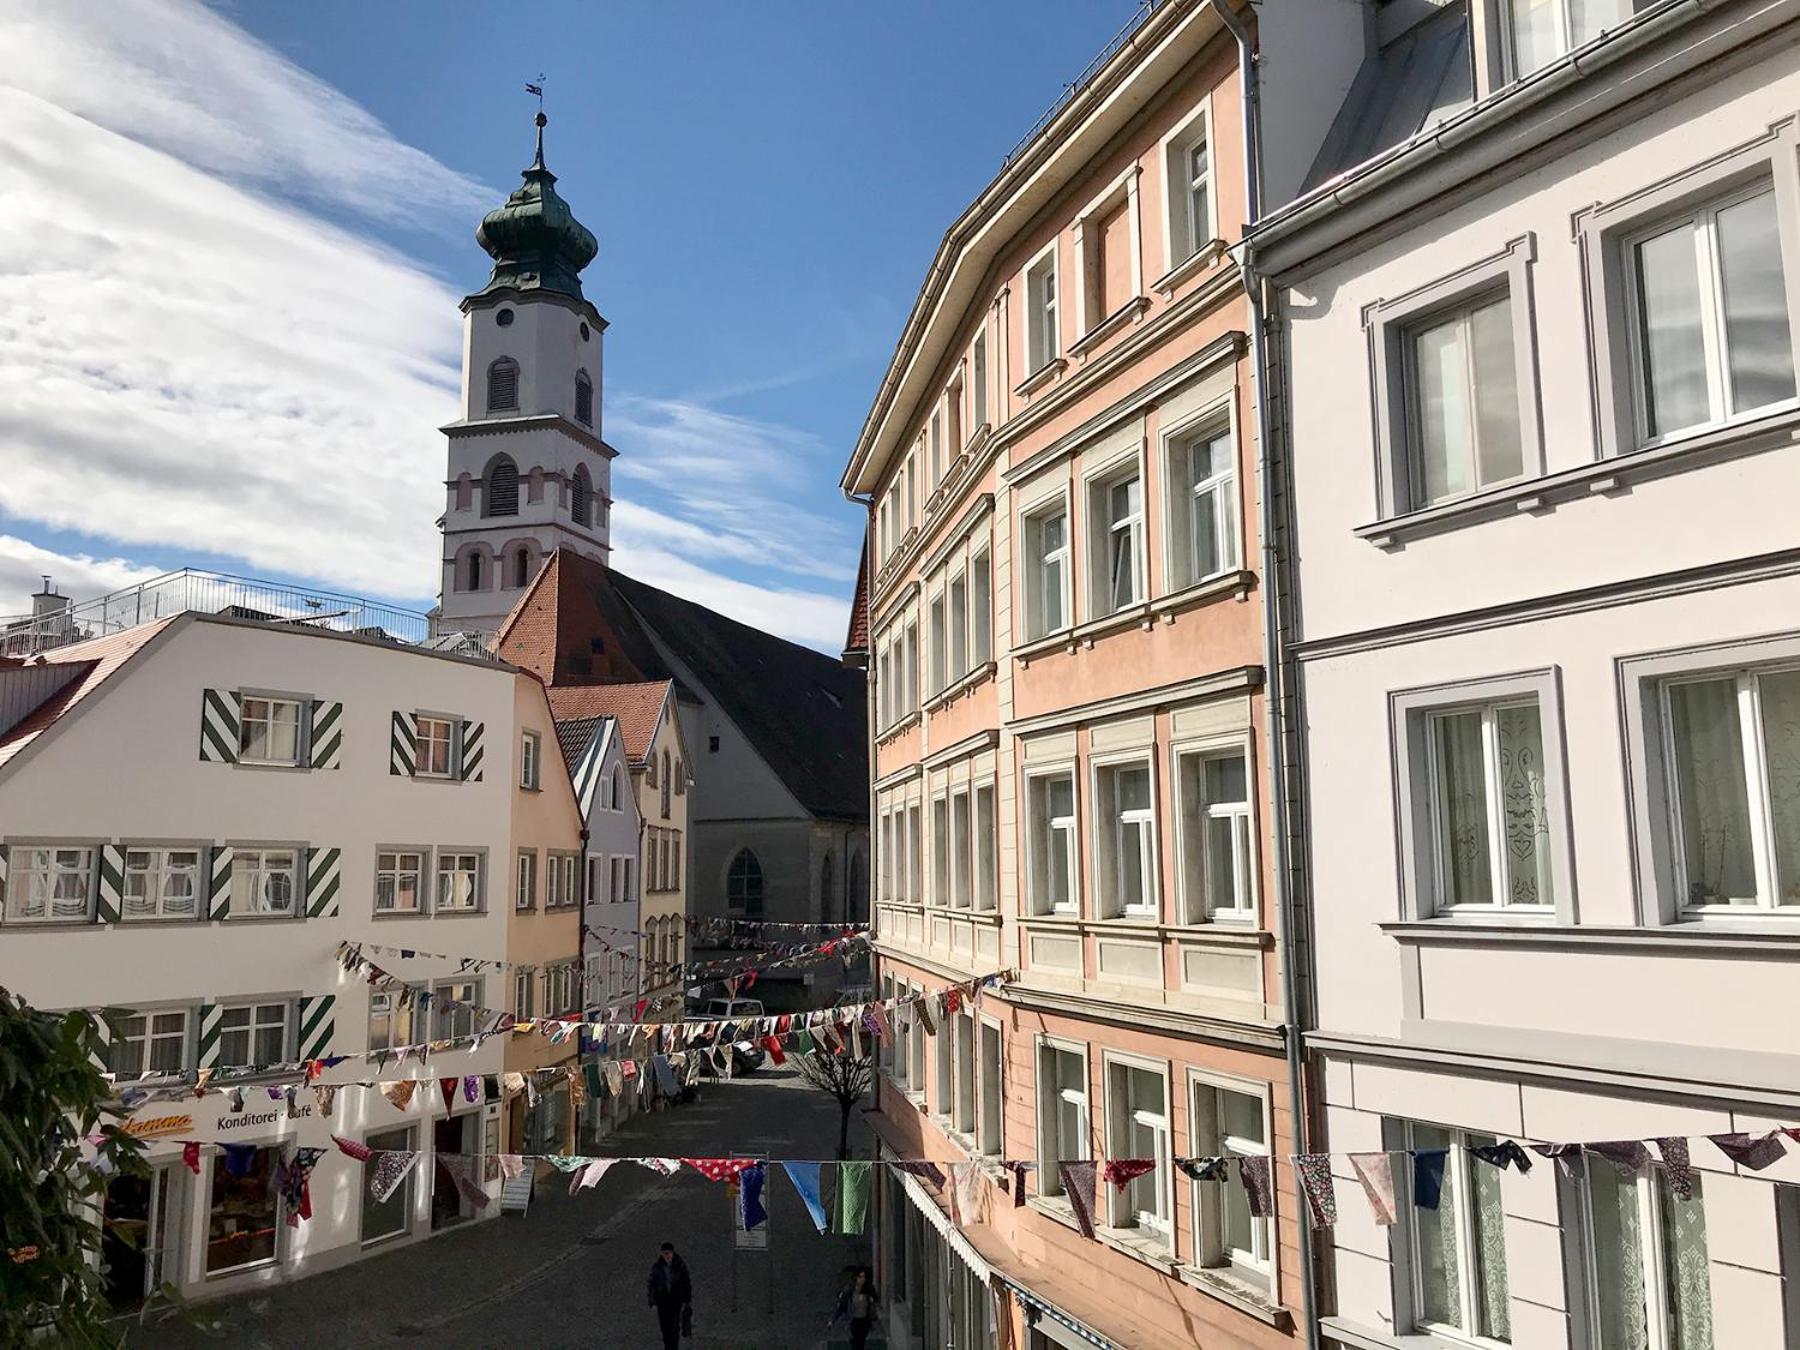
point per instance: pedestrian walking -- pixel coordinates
(859, 1301)
(672, 1295)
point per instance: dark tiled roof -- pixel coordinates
(803, 711)
(1416, 81)
(575, 735)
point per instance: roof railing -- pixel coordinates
(1112, 48)
(193, 590)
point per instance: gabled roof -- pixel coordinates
(96, 662)
(856, 641)
(638, 709)
(570, 627)
(576, 734)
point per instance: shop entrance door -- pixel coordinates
(447, 1136)
(136, 1244)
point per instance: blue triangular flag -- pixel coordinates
(805, 1176)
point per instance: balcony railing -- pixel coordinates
(191, 590)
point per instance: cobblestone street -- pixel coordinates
(572, 1272)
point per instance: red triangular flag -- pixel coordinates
(448, 1087)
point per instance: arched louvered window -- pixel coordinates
(472, 575)
(581, 500)
(584, 399)
(522, 566)
(744, 884)
(500, 487)
(503, 385)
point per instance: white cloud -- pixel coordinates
(191, 357)
(23, 566)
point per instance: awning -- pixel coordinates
(922, 1201)
(1033, 1303)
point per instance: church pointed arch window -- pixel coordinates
(472, 572)
(581, 498)
(744, 884)
(584, 399)
(500, 487)
(503, 385)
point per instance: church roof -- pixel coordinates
(587, 629)
(638, 709)
(534, 239)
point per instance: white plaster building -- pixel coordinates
(194, 813)
(528, 470)
(1538, 304)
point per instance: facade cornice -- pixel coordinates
(498, 426)
(1263, 1036)
(1237, 679)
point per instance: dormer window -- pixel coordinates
(503, 385)
(584, 399)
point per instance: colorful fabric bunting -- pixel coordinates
(1018, 1170)
(751, 1212)
(460, 1168)
(471, 1087)
(239, 1158)
(511, 1165)
(389, 1171)
(1564, 1154)
(1376, 1173)
(966, 1193)
(1078, 1185)
(1755, 1151)
(805, 1177)
(350, 1148)
(400, 1094)
(1428, 1176)
(664, 1167)
(590, 1175)
(190, 1156)
(1500, 1154)
(720, 1169)
(1628, 1156)
(448, 1087)
(850, 1206)
(325, 1094)
(1202, 1169)
(1677, 1166)
(919, 1168)
(1121, 1172)
(1317, 1185)
(1259, 1185)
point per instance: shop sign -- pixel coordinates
(156, 1127)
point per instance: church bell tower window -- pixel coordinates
(503, 385)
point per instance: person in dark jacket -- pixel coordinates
(672, 1295)
(859, 1301)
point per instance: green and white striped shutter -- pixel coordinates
(112, 883)
(220, 713)
(472, 750)
(218, 883)
(316, 1026)
(101, 1058)
(327, 732)
(211, 1015)
(3, 866)
(403, 746)
(323, 879)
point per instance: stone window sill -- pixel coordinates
(1041, 376)
(1208, 252)
(1112, 323)
(1245, 1297)
(950, 693)
(904, 725)
(1723, 934)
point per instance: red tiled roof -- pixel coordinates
(637, 707)
(103, 658)
(857, 639)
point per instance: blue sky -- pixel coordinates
(237, 349)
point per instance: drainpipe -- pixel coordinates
(1272, 668)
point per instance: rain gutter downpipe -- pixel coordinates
(1272, 667)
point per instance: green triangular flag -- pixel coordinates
(804, 1044)
(850, 1206)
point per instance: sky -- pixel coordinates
(237, 234)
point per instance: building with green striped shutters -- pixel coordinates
(194, 814)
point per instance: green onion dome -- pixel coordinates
(534, 239)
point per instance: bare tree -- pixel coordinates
(844, 1078)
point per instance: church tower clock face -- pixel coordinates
(528, 471)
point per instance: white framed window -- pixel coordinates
(1647, 1280)
(552, 880)
(393, 1216)
(530, 751)
(957, 598)
(1043, 339)
(269, 730)
(1203, 506)
(390, 1019)
(945, 1085)
(1050, 841)
(264, 882)
(1137, 1126)
(50, 885)
(940, 644)
(1489, 807)
(1218, 850)
(1116, 515)
(937, 446)
(525, 880)
(1062, 1111)
(1708, 303)
(1731, 748)
(154, 1042)
(915, 1073)
(453, 1004)
(1125, 829)
(986, 835)
(978, 384)
(458, 883)
(1187, 183)
(962, 1109)
(252, 1034)
(915, 853)
(568, 864)
(989, 1134)
(524, 986)
(961, 851)
(399, 881)
(162, 883)
(940, 851)
(1458, 1250)
(1046, 532)
(436, 747)
(1462, 404)
(909, 675)
(1231, 1120)
(1540, 31)
(955, 438)
(981, 608)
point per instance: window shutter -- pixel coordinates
(218, 883)
(403, 746)
(316, 1026)
(112, 883)
(101, 1056)
(211, 1015)
(471, 750)
(220, 711)
(323, 877)
(327, 733)
(3, 865)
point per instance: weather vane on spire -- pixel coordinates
(540, 119)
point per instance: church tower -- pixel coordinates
(528, 469)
